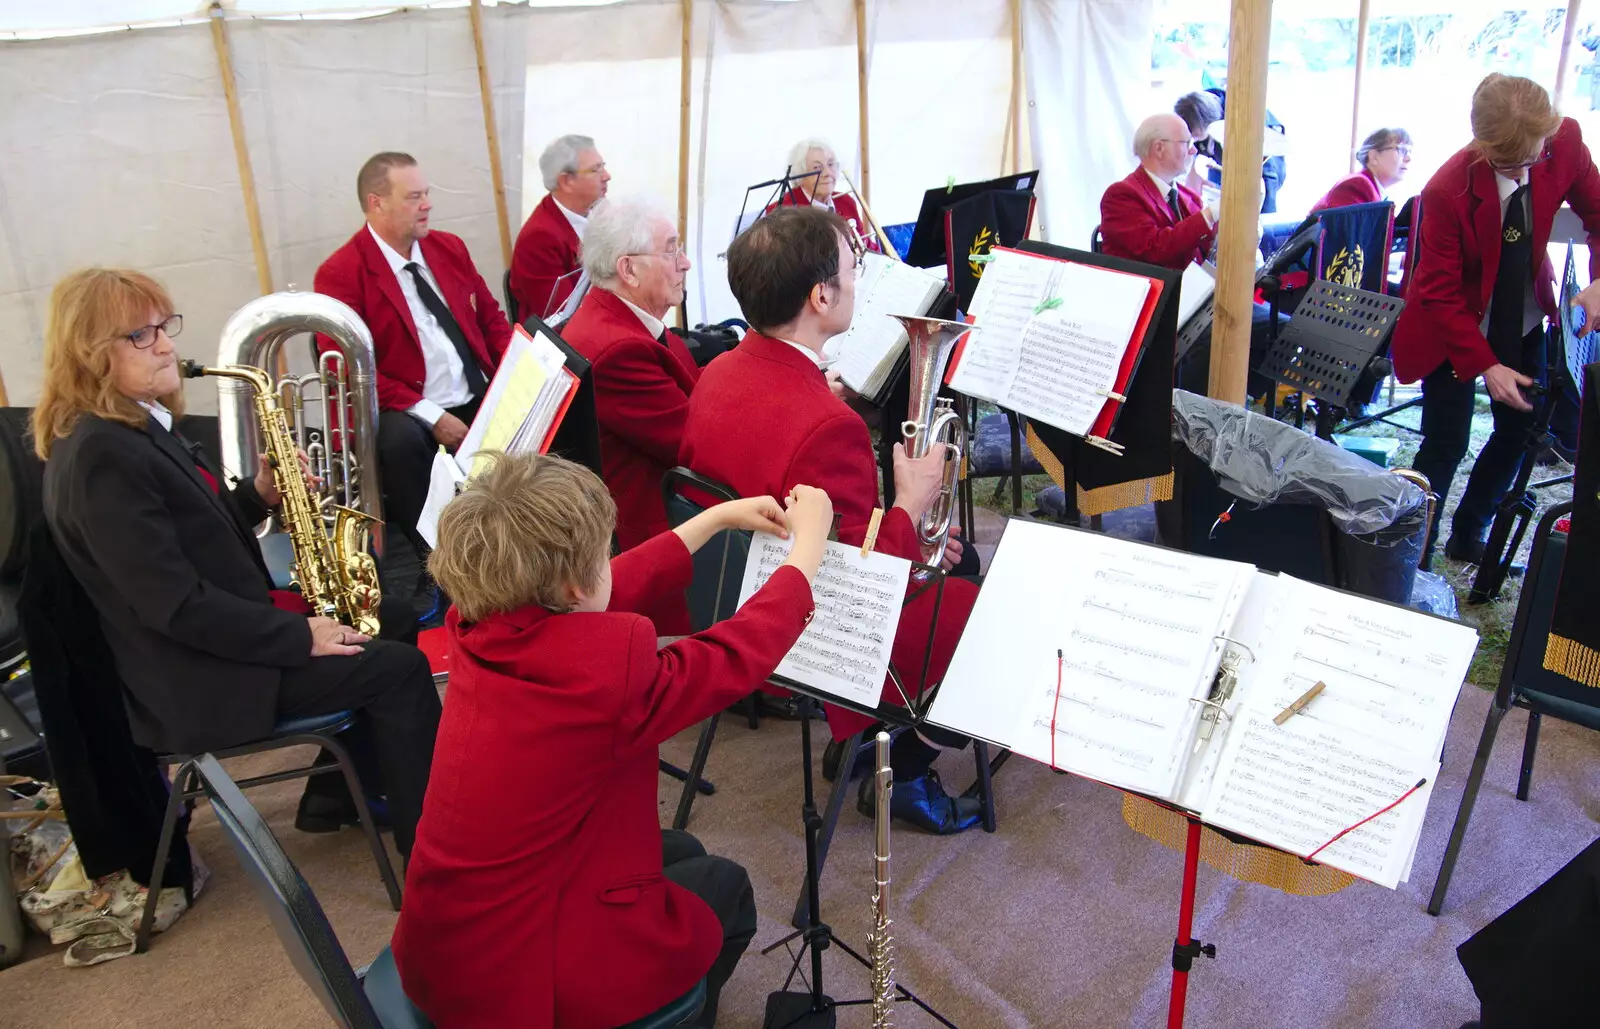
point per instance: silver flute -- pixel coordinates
(881, 942)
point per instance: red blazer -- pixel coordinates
(763, 420)
(1136, 223)
(1360, 188)
(1459, 253)
(641, 397)
(547, 249)
(357, 274)
(535, 896)
(841, 204)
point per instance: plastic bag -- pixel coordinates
(1433, 593)
(1264, 462)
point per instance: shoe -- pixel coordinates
(784, 709)
(1464, 548)
(319, 813)
(924, 803)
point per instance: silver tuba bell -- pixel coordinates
(931, 419)
(333, 411)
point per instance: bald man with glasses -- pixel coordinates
(1151, 216)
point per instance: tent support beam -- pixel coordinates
(492, 131)
(1249, 31)
(1016, 86)
(861, 91)
(1569, 28)
(1361, 71)
(241, 151)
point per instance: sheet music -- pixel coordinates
(1053, 363)
(1198, 284)
(529, 373)
(845, 649)
(865, 353)
(443, 480)
(1391, 680)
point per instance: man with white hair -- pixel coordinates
(1150, 216)
(815, 171)
(545, 262)
(642, 372)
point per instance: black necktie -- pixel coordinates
(1172, 202)
(1511, 282)
(447, 322)
(662, 339)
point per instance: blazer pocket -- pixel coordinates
(628, 891)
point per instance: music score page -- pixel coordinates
(845, 650)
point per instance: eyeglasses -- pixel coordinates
(1189, 144)
(145, 338)
(1544, 155)
(596, 170)
(672, 253)
(1403, 150)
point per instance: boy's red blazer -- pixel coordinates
(641, 397)
(791, 430)
(1136, 223)
(547, 248)
(357, 274)
(535, 896)
(1459, 253)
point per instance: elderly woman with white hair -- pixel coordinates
(544, 264)
(815, 172)
(643, 373)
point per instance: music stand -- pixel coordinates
(781, 187)
(927, 248)
(814, 1009)
(1335, 333)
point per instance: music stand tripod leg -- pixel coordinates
(1186, 948)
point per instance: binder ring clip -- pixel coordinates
(1242, 646)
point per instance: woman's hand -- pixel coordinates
(267, 480)
(330, 639)
(754, 514)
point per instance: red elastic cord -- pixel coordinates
(1054, 708)
(1420, 783)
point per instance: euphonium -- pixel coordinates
(931, 420)
(880, 944)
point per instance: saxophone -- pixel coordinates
(880, 943)
(337, 576)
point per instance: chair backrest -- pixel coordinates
(719, 565)
(1095, 240)
(1524, 668)
(1411, 215)
(302, 928)
(1354, 247)
(511, 298)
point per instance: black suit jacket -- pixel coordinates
(177, 577)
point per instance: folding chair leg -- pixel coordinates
(830, 818)
(181, 784)
(702, 750)
(1469, 796)
(985, 783)
(352, 781)
(752, 710)
(1530, 745)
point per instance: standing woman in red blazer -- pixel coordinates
(1483, 286)
(1384, 157)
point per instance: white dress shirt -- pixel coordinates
(579, 222)
(1532, 314)
(811, 355)
(653, 325)
(157, 409)
(1167, 187)
(445, 383)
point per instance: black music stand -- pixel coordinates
(781, 187)
(814, 1009)
(928, 247)
(1335, 333)
(1142, 425)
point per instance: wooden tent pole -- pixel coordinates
(861, 92)
(1569, 28)
(1361, 71)
(686, 64)
(493, 132)
(1016, 86)
(1250, 29)
(241, 152)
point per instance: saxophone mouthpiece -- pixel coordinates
(191, 369)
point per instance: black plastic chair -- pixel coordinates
(318, 731)
(1524, 683)
(1095, 240)
(988, 457)
(513, 315)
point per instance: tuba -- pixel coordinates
(932, 419)
(332, 412)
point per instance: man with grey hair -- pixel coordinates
(1150, 216)
(544, 264)
(642, 372)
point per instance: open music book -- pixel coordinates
(1059, 340)
(844, 652)
(1141, 697)
(865, 354)
(520, 413)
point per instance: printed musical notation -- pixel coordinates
(845, 650)
(1295, 787)
(1139, 642)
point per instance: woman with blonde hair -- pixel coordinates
(1483, 286)
(210, 654)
